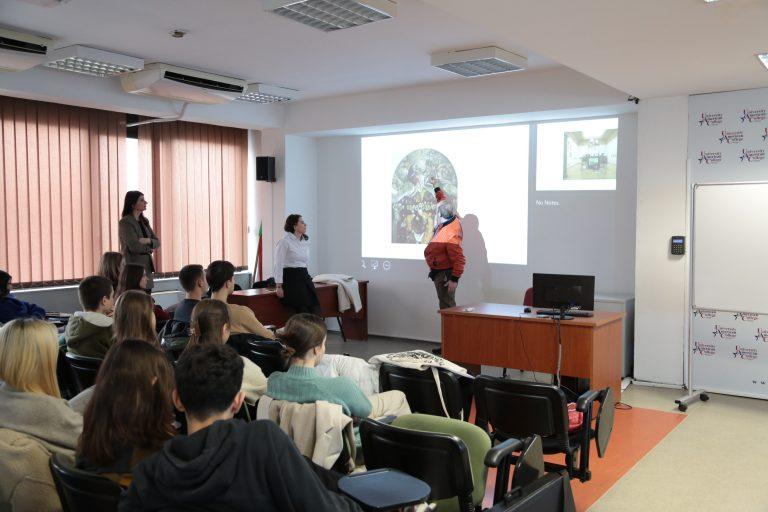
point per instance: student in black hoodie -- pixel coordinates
(223, 463)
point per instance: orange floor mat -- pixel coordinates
(635, 433)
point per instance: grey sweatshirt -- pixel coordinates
(49, 420)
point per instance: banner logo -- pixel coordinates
(750, 354)
(726, 333)
(710, 119)
(710, 157)
(752, 155)
(752, 115)
(704, 313)
(704, 349)
(762, 334)
(746, 317)
(731, 137)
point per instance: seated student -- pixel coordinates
(12, 308)
(192, 279)
(30, 401)
(110, 266)
(221, 278)
(223, 463)
(210, 325)
(134, 318)
(89, 332)
(130, 414)
(134, 277)
(304, 337)
(34, 420)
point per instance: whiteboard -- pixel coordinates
(730, 247)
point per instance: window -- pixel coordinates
(64, 172)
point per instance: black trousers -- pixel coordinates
(299, 291)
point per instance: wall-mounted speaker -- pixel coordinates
(265, 168)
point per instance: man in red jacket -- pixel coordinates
(443, 253)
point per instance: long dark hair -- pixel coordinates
(130, 278)
(135, 317)
(131, 405)
(290, 224)
(131, 198)
(302, 333)
(110, 266)
(208, 318)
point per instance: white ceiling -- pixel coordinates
(237, 38)
(647, 48)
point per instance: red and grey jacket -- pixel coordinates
(444, 250)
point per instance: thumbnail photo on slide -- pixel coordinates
(577, 155)
(590, 156)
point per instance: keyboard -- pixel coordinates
(570, 312)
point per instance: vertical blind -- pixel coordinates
(198, 192)
(62, 175)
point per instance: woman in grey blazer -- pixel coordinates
(137, 240)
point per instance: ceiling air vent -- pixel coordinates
(479, 62)
(330, 15)
(182, 84)
(19, 51)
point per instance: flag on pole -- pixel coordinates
(257, 267)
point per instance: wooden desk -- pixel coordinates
(503, 335)
(270, 311)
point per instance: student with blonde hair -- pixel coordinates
(30, 402)
(34, 421)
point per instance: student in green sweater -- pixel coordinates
(304, 337)
(89, 332)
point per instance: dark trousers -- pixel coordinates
(447, 299)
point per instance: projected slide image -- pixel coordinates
(577, 155)
(590, 157)
(484, 171)
(413, 197)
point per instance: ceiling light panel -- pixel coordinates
(479, 62)
(263, 93)
(330, 15)
(92, 61)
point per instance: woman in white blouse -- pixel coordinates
(294, 284)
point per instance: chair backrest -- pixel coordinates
(421, 391)
(440, 460)
(84, 368)
(241, 342)
(522, 409)
(67, 383)
(80, 490)
(268, 355)
(528, 297)
(476, 440)
(174, 337)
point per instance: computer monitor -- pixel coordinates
(563, 291)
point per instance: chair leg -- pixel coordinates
(341, 328)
